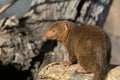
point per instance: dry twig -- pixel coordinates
(5, 7)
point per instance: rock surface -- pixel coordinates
(17, 49)
(57, 71)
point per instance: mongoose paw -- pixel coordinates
(81, 70)
(67, 63)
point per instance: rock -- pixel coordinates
(18, 50)
(114, 74)
(57, 71)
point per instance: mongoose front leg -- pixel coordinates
(72, 60)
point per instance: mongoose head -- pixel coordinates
(57, 31)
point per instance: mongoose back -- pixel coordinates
(87, 45)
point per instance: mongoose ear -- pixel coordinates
(65, 26)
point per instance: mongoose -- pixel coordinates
(87, 45)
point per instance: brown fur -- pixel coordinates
(87, 45)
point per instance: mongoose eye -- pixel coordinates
(53, 31)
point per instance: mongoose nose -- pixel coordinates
(46, 35)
